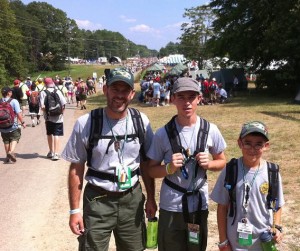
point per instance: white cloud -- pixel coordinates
(143, 28)
(87, 25)
(175, 25)
(127, 20)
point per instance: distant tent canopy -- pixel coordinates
(226, 76)
(155, 67)
(114, 59)
(173, 59)
(178, 69)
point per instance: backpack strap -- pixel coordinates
(230, 183)
(95, 132)
(139, 128)
(272, 197)
(173, 136)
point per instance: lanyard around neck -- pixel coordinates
(248, 186)
(120, 149)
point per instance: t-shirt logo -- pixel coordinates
(264, 188)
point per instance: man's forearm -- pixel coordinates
(75, 184)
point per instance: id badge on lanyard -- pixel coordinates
(244, 232)
(124, 176)
(193, 231)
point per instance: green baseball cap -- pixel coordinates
(120, 74)
(254, 127)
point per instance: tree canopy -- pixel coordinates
(38, 37)
(256, 34)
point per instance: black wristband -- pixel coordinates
(279, 228)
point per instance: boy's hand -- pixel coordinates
(203, 159)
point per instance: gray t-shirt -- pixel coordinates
(105, 158)
(43, 94)
(258, 215)
(160, 150)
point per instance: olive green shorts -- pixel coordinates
(173, 231)
(124, 216)
(8, 137)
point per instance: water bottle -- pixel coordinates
(152, 233)
(267, 241)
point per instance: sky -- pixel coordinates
(153, 23)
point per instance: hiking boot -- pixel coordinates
(50, 155)
(55, 156)
(12, 156)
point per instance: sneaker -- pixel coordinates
(12, 156)
(33, 125)
(37, 122)
(55, 156)
(50, 155)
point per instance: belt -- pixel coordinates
(103, 191)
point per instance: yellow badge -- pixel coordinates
(264, 188)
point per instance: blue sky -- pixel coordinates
(153, 23)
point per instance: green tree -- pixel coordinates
(259, 33)
(11, 45)
(197, 32)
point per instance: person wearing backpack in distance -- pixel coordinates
(113, 142)
(52, 103)
(249, 194)
(34, 104)
(9, 128)
(184, 145)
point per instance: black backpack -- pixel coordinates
(96, 135)
(17, 93)
(53, 104)
(231, 179)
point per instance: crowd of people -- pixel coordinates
(117, 145)
(34, 95)
(155, 90)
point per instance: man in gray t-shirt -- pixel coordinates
(183, 223)
(113, 199)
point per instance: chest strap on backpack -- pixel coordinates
(108, 176)
(184, 199)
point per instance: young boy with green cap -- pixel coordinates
(251, 209)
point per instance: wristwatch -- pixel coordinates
(279, 228)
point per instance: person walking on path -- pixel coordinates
(183, 145)
(34, 104)
(54, 123)
(113, 199)
(11, 135)
(24, 88)
(253, 212)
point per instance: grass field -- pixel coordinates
(283, 121)
(281, 117)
